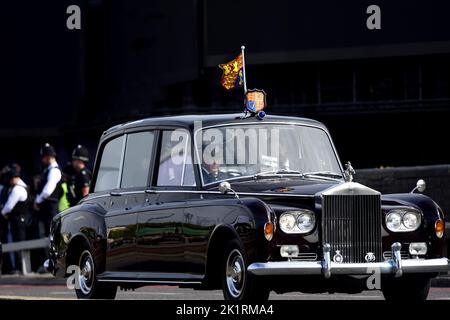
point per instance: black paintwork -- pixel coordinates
(161, 234)
(1, 257)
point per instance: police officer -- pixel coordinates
(49, 190)
(15, 210)
(80, 178)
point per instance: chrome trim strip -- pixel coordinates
(149, 281)
(387, 255)
(238, 193)
(207, 192)
(132, 192)
(149, 277)
(262, 194)
(305, 257)
(326, 263)
(350, 189)
(184, 158)
(96, 197)
(397, 258)
(122, 160)
(108, 195)
(198, 162)
(316, 267)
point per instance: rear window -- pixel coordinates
(109, 170)
(175, 162)
(138, 153)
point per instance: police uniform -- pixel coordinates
(15, 211)
(50, 190)
(79, 179)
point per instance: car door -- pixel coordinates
(160, 240)
(128, 157)
(107, 183)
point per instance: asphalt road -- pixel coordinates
(60, 292)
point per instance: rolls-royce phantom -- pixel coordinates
(244, 204)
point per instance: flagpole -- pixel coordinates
(243, 69)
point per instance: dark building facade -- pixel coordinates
(384, 94)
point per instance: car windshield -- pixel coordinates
(264, 150)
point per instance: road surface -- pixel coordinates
(60, 292)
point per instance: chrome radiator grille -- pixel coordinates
(352, 225)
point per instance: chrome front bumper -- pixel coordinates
(395, 266)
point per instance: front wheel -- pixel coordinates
(237, 283)
(87, 285)
(406, 288)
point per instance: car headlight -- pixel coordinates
(411, 220)
(393, 221)
(306, 221)
(301, 221)
(403, 220)
(287, 222)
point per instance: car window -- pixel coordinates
(109, 170)
(136, 165)
(251, 149)
(175, 162)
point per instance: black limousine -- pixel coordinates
(242, 204)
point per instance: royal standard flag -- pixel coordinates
(232, 73)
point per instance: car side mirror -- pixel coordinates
(225, 187)
(420, 186)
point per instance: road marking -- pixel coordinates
(29, 298)
(155, 293)
(20, 286)
(62, 292)
(318, 296)
(142, 293)
(440, 289)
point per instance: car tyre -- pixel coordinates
(87, 286)
(237, 283)
(406, 288)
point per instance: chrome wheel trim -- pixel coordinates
(235, 273)
(86, 274)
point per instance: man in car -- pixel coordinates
(211, 172)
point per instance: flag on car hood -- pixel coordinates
(232, 76)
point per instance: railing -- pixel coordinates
(24, 247)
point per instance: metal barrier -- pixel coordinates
(25, 247)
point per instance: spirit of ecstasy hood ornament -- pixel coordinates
(349, 172)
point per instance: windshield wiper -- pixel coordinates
(277, 173)
(327, 174)
(320, 174)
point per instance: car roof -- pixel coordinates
(187, 121)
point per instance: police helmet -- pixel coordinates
(80, 153)
(48, 150)
(13, 172)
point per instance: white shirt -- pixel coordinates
(53, 177)
(17, 194)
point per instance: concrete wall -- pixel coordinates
(403, 179)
